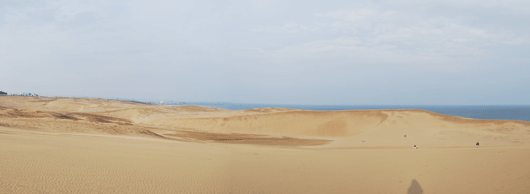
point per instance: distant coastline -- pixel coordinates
(495, 112)
(492, 112)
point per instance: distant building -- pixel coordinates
(2, 93)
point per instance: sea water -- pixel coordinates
(497, 112)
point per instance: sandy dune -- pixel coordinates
(65, 145)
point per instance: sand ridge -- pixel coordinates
(355, 128)
(83, 145)
(45, 162)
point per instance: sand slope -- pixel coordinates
(70, 145)
(366, 128)
(59, 163)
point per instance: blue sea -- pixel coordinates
(497, 112)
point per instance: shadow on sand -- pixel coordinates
(415, 188)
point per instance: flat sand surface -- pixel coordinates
(69, 145)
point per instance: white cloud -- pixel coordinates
(287, 28)
(398, 36)
(357, 15)
(305, 41)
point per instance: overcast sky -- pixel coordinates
(275, 51)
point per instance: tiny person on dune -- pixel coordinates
(477, 144)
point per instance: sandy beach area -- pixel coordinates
(84, 145)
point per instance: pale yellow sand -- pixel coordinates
(98, 146)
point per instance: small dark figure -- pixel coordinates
(415, 147)
(477, 144)
(405, 135)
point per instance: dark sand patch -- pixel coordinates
(238, 138)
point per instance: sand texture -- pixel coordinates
(81, 145)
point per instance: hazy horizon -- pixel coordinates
(194, 102)
(272, 52)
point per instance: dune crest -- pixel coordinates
(76, 145)
(346, 128)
